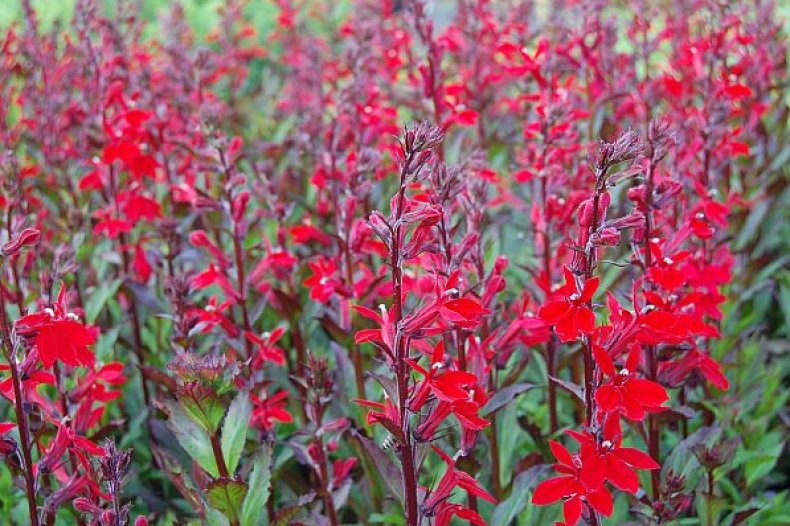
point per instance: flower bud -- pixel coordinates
(27, 238)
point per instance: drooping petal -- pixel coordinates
(553, 311)
(601, 501)
(552, 490)
(608, 398)
(636, 458)
(572, 511)
(584, 320)
(647, 392)
(593, 472)
(620, 475)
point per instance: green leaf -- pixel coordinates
(503, 397)
(216, 518)
(227, 495)
(192, 438)
(762, 463)
(98, 298)
(508, 509)
(234, 430)
(260, 482)
(202, 404)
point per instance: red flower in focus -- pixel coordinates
(448, 386)
(58, 335)
(570, 315)
(624, 393)
(608, 461)
(570, 487)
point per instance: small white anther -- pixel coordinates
(49, 312)
(323, 281)
(266, 335)
(437, 365)
(668, 261)
(606, 444)
(575, 296)
(450, 291)
(71, 316)
(625, 372)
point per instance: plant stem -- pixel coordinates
(401, 354)
(21, 417)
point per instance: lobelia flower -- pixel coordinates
(571, 487)
(570, 316)
(675, 372)
(270, 409)
(267, 348)
(57, 335)
(624, 393)
(448, 386)
(608, 461)
(453, 478)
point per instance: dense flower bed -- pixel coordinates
(500, 264)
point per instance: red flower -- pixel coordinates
(674, 373)
(632, 397)
(571, 487)
(451, 479)
(58, 336)
(267, 348)
(608, 461)
(270, 409)
(322, 283)
(449, 386)
(570, 315)
(664, 271)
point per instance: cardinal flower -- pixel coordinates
(571, 487)
(608, 461)
(625, 393)
(570, 314)
(58, 335)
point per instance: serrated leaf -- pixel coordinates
(503, 397)
(202, 404)
(227, 496)
(252, 511)
(192, 438)
(234, 430)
